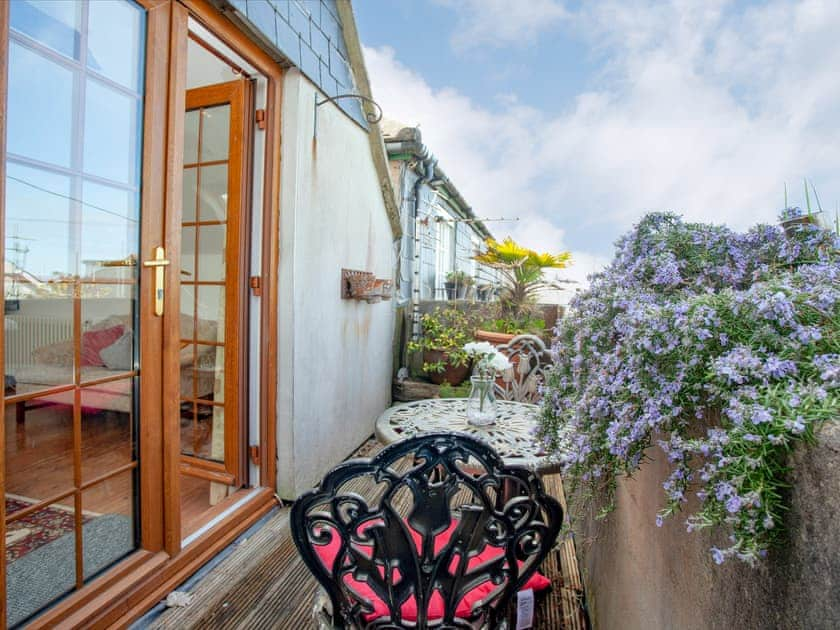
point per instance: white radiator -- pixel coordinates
(24, 333)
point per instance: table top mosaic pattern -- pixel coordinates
(512, 436)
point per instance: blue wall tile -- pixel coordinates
(326, 81)
(281, 6)
(300, 22)
(353, 106)
(288, 41)
(330, 87)
(308, 33)
(329, 6)
(261, 14)
(340, 46)
(320, 44)
(309, 63)
(330, 26)
(307, 6)
(340, 69)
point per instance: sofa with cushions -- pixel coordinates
(107, 350)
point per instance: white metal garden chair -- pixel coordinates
(529, 359)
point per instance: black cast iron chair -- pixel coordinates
(433, 532)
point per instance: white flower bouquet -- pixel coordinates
(489, 362)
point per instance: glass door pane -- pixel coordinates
(204, 266)
(212, 284)
(72, 211)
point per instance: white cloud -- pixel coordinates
(502, 22)
(702, 108)
(574, 278)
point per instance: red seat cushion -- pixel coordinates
(327, 553)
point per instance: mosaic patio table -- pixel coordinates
(511, 436)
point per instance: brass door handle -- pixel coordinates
(158, 262)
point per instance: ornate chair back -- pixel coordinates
(530, 358)
(434, 531)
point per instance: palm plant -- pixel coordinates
(523, 274)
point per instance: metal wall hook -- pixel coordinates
(371, 117)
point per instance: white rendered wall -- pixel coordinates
(334, 355)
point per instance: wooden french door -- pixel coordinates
(82, 354)
(124, 362)
(213, 282)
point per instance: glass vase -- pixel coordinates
(481, 405)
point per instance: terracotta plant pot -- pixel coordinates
(493, 337)
(790, 225)
(452, 374)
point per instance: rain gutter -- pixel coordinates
(407, 145)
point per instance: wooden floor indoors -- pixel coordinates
(39, 463)
(264, 584)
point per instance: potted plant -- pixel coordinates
(501, 330)
(484, 292)
(489, 363)
(457, 283)
(445, 331)
(791, 217)
(463, 285)
(523, 275)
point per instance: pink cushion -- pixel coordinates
(327, 553)
(93, 341)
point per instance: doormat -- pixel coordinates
(34, 530)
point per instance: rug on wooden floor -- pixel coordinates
(49, 571)
(37, 529)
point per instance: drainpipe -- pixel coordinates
(428, 162)
(408, 143)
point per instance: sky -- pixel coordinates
(578, 117)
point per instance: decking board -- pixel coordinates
(265, 584)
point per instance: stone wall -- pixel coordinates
(640, 576)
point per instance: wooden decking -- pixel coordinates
(264, 583)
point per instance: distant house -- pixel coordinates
(181, 190)
(440, 232)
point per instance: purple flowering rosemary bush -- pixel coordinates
(722, 347)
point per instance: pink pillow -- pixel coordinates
(327, 553)
(93, 341)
